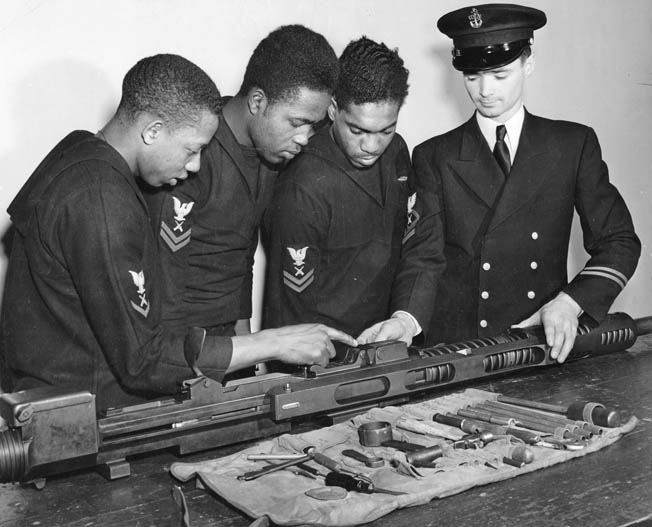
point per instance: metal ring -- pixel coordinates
(587, 412)
(375, 433)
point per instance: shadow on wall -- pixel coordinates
(455, 92)
(48, 103)
(447, 85)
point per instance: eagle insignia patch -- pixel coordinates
(295, 275)
(176, 237)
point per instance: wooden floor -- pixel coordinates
(612, 487)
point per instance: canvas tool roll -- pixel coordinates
(293, 497)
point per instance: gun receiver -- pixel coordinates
(52, 430)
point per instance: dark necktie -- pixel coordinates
(501, 151)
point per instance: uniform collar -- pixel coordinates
(241, 156)
(323, 144)
(514, 126)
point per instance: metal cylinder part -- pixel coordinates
(374, 433)
(425, 456)
(14, 458)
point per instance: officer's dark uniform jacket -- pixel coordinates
(207, 228)
(82, 299)
(340, 250)
(506, 248)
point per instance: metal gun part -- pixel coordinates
(53, 430)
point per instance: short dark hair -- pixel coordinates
(170, 87)
(370, 72)
(288, 59)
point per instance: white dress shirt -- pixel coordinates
(514, 126)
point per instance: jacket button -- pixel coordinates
(484, 294)
(533, 265)
(486, 266)
(535, 235)
(483, 323)
(531, 294)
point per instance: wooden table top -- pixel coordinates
(612, 487)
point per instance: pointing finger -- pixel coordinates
(336, 334)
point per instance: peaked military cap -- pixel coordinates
(491, 35)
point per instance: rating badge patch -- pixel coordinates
(412, 218)
(174, 233)
(296, 275)
(142, 304)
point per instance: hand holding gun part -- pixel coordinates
(594, 413)
(356, 483)
(519, 456)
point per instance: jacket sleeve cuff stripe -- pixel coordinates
(606, 272)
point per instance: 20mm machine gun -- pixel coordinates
(52, 430)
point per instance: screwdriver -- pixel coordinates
(358, 484)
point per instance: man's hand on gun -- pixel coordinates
(400, 327)
(559, 319)
(308, 343)
(303, 344)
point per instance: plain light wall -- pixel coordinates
(62, 63)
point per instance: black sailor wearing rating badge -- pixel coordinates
(347, 237)
(84, 286)
(508, 183)
(83, 282)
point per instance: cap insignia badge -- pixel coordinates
(475, 19)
